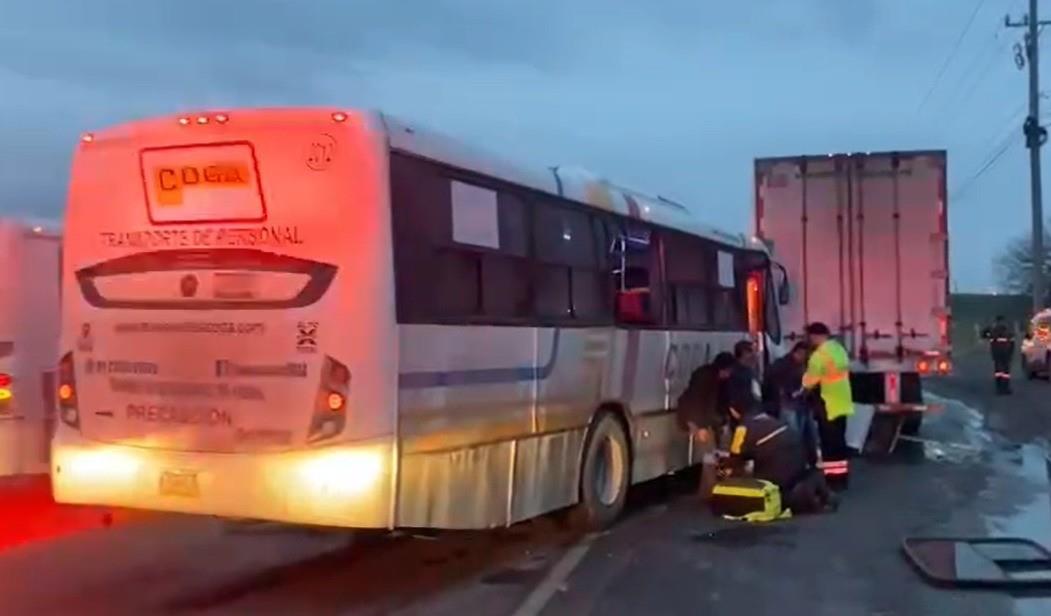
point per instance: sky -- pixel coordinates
(675, 97)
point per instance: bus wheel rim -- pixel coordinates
(610, 467)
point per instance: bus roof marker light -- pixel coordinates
(184, 121)
(221, 118)
(339, 116)
(87, 137)
(202, 120)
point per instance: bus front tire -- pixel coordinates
(605, 475)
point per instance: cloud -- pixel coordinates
(674, 97)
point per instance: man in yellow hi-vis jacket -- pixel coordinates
(829, 369)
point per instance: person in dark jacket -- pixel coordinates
(778, 456)
(784, 380)
(703, 405)
(1001, 347)
(703, 410)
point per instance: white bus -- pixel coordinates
(29, 325)
(334, 318)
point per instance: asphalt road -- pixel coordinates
(981, 471)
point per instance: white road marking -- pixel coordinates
(553, 581)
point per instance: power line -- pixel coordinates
(965, 86)
(986, 166)
(948, 59)
(1008, 127)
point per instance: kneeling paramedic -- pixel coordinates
(778, 456)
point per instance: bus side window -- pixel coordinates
(731, 311)
(690, 272)
(570, 270)
(636, 275)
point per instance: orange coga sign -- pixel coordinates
(170, 182)
(205, 183)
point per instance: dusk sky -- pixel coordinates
(673, 96)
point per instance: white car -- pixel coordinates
(1036, 347)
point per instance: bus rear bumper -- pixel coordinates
(346, 485)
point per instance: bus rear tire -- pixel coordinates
(605, 475)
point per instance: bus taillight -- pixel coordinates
(330, 415)
(67, 392)
(755, 304)
(5, 392)
(336, 402)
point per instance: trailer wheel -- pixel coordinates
(604, 475)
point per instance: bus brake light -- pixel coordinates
(330, 410)
(5, 380)
(336, 401)
(67, 392)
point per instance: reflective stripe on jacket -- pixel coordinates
(829, 367)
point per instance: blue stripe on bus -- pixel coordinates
(483, 376)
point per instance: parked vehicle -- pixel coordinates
(29, 325)
(331, 317)
(1036, 347)
(864, 238)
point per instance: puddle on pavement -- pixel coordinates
(1031, 519)
(745, 535)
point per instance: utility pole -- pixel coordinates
(1035, 136)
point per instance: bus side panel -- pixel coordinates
(465, 394)
(546, 473)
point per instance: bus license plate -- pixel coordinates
(179, 484)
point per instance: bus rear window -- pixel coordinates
(202, 183)
(205, 280)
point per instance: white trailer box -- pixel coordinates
(864, 238)
(29, 328)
